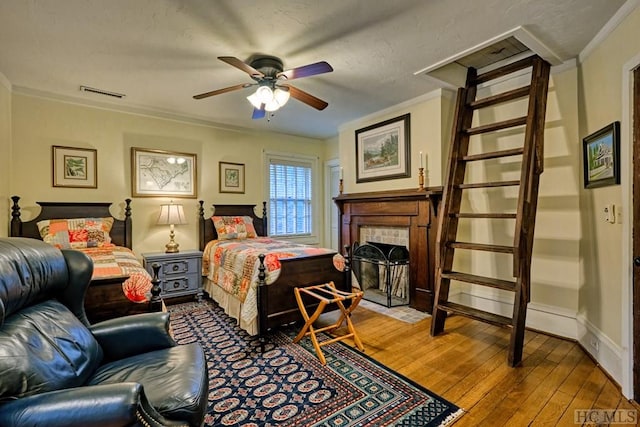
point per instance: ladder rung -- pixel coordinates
(501, 97)
(503, 71)
(506, 285)
(489, 184)
(482, 247)
(492, 127)
(484, 215)
(474, 313)
(494, 154)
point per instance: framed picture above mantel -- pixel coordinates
(382, 150)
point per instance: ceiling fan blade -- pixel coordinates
(224, 90)
(258, 113)
(232, 60)
(306, 71)
(307, 98)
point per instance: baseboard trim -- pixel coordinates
(558, 322)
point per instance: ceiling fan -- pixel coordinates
(268, 74)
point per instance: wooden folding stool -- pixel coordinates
(327, 294)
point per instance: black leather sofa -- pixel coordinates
(58, 370)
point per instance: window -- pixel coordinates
(291, 184)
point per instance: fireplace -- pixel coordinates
(411, 210)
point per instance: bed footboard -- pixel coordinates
(277, 304)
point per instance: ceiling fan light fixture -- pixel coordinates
(265, 94)
(272, 106)
(254, 99)
(281, 96)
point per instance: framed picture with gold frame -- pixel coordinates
(74, 167)
(159, 173)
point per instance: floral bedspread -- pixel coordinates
(117, 261)
(233, 264)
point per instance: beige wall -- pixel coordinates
(5, 153)
(40, 123)
(430, 128)
(600, 104)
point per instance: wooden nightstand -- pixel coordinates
(180, 273)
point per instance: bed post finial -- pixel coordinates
(347, 268)
(16, 224)
(264, 218)
(128, 243)
(201, 208)
(262, 302)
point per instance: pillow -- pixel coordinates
(234, 227)
(76, 233)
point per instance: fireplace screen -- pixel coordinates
(381, 271)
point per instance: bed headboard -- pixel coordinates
(120, 232)
(207, 231)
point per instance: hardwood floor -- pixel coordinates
(467, 366)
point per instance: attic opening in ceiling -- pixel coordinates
(497, 51)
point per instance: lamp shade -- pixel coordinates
(171, 215)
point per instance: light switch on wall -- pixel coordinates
(610, 214)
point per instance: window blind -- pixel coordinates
(290, 184)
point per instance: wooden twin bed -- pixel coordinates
(276, 303)
(105, 298)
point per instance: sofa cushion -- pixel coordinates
(43, 348)
(175, 380)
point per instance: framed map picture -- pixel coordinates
(157, 173)
(74, 167)
(231, 177)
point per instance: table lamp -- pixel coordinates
(171, 215)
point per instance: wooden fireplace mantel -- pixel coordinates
(412, 208)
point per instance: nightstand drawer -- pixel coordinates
(179, 267)
(180, 284)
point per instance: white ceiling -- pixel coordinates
(162, 52)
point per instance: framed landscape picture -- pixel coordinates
(231, 177)
(382, 150)
(157, 173)
(74, 167)
(601, 157)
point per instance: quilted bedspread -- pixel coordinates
(233, 264)
(118, 261)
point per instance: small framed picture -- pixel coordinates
(601, 152)
(158, 173)
(74, 167)
(231, 177)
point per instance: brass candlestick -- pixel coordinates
(340, 186)
(421, 179)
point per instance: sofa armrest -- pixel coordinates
(109, 404)
(130, 335)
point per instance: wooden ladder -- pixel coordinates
(531, 154)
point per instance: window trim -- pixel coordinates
(316, 206)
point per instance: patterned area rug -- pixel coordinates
(287, 386)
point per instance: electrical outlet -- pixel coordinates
(595, 344)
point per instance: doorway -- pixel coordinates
(332, 182)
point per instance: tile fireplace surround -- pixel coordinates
(413, 210)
